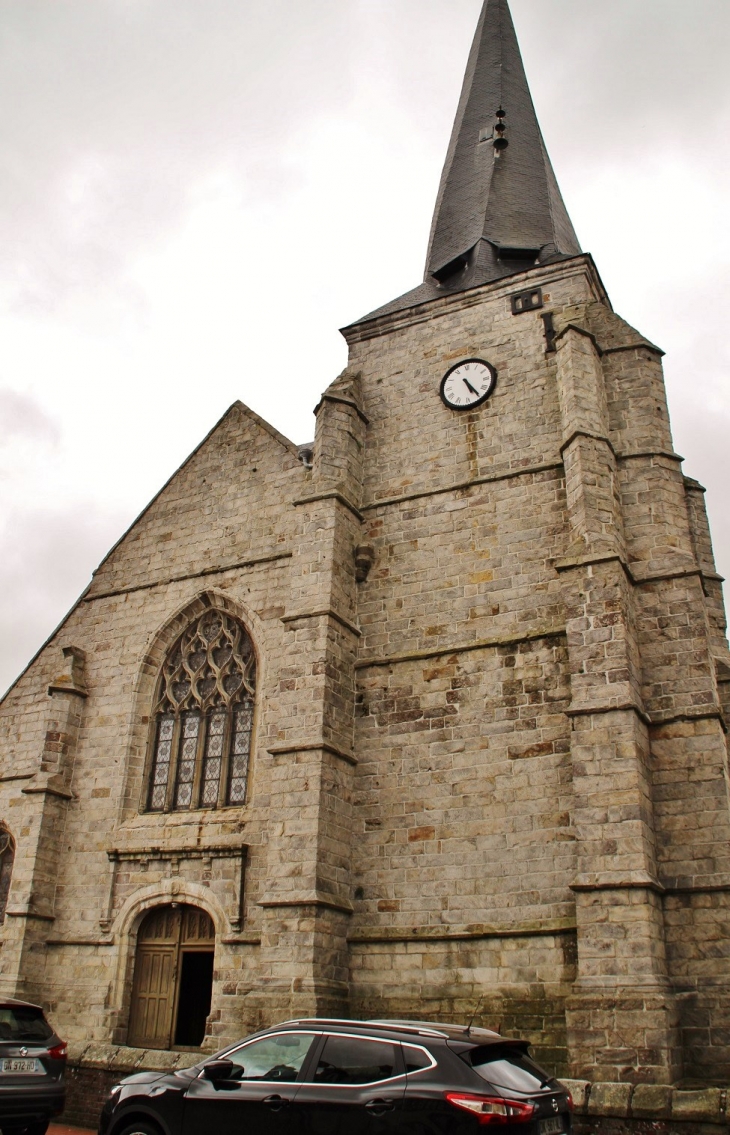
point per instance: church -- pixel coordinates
(427, 718)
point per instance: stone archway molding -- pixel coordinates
(126, 924)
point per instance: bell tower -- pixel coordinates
(541, 739)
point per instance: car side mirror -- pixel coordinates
(219, 1070)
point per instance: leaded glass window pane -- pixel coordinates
(161, 765)
(240, 750)
(186, 760)
(213, 761)
(204, 715)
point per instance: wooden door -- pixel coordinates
(163, 936)
(155, 979)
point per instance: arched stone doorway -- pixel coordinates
(173, 978)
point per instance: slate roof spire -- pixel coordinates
(499, 210)
(503, 195)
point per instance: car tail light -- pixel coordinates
(59, 1051)
(571, 1105)
(492, 1109)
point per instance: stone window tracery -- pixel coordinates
(201, 740)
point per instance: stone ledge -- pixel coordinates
(648, 1102)
(126, 1060)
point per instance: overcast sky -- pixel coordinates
(196, 194)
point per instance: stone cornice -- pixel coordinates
(541, 929)
(344, 402)
(32, 915)
(325, 612)
(147, 852)
(331, 494)
(460, 486)
(308, 898)
(543, 274)
(220, 570)
(619, 707)
(46, 787)
(587, 434)
(462, 648)
(91, 942)
(579, 331)
(312, 747)
(75, 691)
(511, 474)
(637, 571)
(638, 881)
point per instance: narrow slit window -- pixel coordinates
(161, 764)
(187, 760)
(213, 762)
(241, 749)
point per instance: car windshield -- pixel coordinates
(509, 1068)
(24, 1024)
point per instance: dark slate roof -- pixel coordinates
(499, 210)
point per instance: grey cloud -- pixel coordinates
(21, 416)
(114, 112)
(45, 560)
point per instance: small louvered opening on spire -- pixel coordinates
(523, 255)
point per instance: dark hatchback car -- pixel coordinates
(319, 1077)
(32, 1068)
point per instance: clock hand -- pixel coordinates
(469, 386)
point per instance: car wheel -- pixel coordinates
(140, 1127)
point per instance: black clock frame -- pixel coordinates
(480, 401)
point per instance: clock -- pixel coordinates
(468, 384)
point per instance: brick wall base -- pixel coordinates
(86, 1091)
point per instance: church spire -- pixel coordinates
(499, 208)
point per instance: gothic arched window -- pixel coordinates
(203, 717)
(7, 857)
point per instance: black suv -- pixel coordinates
(32, 1067)
(321, 1077)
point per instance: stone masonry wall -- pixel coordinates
(489, 757)
(222, 530)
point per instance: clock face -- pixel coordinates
(468, 384)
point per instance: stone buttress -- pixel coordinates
(307, 902)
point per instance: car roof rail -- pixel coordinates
(309, 1021)
(434, 1028)
(421, 1027)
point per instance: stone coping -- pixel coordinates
(608, 1101)
(124, 1060)
(648, 1101)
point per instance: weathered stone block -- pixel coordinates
(609, 1100)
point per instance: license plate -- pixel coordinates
(15, 1067)
(552, 1126)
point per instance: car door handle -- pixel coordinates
(379, 1107)
(276, 1103)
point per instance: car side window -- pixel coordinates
(276, 1058)
(417, 1059)
(355, 1060)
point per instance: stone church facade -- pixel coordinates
(427, 717)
